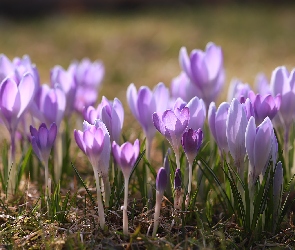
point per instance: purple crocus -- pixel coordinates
(265, 105)
(283, 82)
(94, 141)
(161, 183)
(217, 124)
(197, 111)
(262, 84)
(191, 143)
(205, 70)
(172, 124)
(111, 113)
(259, 142)
(236, 125)
(143, 104)
(239, 90)
(50, 104)
(88, 77)
(17, 68)
(14, 100)
(65, 78)
(42, 141)
(126, 156)
(182, 87)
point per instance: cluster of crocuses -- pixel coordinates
(24, 102)
(242, 126)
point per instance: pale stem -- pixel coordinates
(251, 187)
(107, 189)
(99, 201)
(45, 163)
(176, 152)
(190, 176)
(147, 170)
(125, 216)
(159, 196)
(148, 147)
(286, 151)
(58, 157)
(189, 187)
(178, 198)
(11, 165)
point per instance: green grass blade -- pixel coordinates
(84, 185)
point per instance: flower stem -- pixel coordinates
(147, 177)
(11, 165)
(99, 201)
(45, 163)
(125, 216)
(286, 151)
(107, 189)
(159, 197)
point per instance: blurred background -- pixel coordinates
(139, 41)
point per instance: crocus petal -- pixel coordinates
(43, 137)
(235, 130)
(161, 180)
(79, 140)
(250, 140)
(52, 134)
(36, 148)
(197, 112)
(132, 100)
(220, 126)
(211, 119)
(184, 61)
(263, 144)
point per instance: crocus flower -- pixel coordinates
(191, 143)
(182, 87)
(161, 183)
(143, 104)
(172, 124)
(248, 108)
(88, 77)
(258, 143)
(14, 100)
(126, 156)
(239, 90)
(283, 82)
(236, 125)
(50, 104)
(262, 85)
(94, 141)
(17, 68)
(205, 70)
(111, 113)
(42, 141)
(65, 78)
(217, 124)
(197, 112)
(264, 106)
